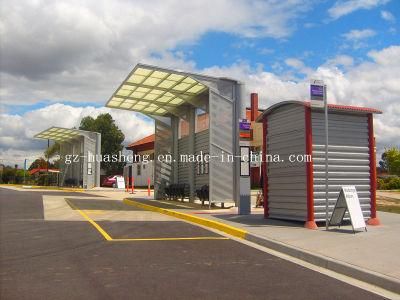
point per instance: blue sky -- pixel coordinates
(316, 39)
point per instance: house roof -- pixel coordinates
(331, 107)
(36, 170)
(145, 140)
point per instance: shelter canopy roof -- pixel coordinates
(155, 91)
(59, 134)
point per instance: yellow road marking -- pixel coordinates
(95, 225)
(110, 239)
(237, 232)
(172, 239)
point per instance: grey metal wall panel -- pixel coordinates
(222, 129)
(183, 168)
(162, 146)
(348, 159)
(202, 140)
(287, 190)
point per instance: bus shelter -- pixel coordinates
(194, 114)
(80, 151)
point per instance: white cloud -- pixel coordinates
(81, 50)
(356, 34)
(372, 83)
(16, 132)
(388, 16)
(342, 8)
(357, 38)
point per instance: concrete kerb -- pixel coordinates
(328, 263)
(240, 233)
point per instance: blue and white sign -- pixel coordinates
(317, 93)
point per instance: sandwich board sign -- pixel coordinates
(348, 201)
(120, 182)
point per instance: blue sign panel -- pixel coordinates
(316, 91)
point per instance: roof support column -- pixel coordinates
(192, 133)
(175, 158)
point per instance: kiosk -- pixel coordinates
(296, 190)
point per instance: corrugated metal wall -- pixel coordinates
(287, 190)
(201, 144)
(222, 128)
(162, 145)
(183, 167)
(348, 159)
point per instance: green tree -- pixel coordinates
(52, 151)
(39, 163)
(391, 160)
(111, 139)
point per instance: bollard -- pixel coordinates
(148, 186)
(133, 185)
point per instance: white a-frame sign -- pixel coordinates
(348, 201)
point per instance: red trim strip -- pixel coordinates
(264, 168)
(309, 167)
(372, 164)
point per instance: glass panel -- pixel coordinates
(141, 71)
(156, 92)
(176, 101)
(123, 92)
(197, 88)
(150, 97)
(128, 87)
(139, 106)
(113, 103)
(202, 120)
(164, 99)
(159, 74)
(166, 84)
(181, 87)
(189, 80)
(136, 79)
(126, 105)
(175, 77)
(183, 128)
(137, 94)
(151, 81)
(142, 89)
(161, 111)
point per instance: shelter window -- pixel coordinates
(183, 128)
(202, 120)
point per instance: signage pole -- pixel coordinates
(326, 162)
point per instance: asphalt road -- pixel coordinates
(41, 259)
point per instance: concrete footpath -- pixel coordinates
(372, 256)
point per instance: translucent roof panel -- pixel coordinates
(152, 90)
(58, 134)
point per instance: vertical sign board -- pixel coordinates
(348, 201)
(244, 129)
(317, 93)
